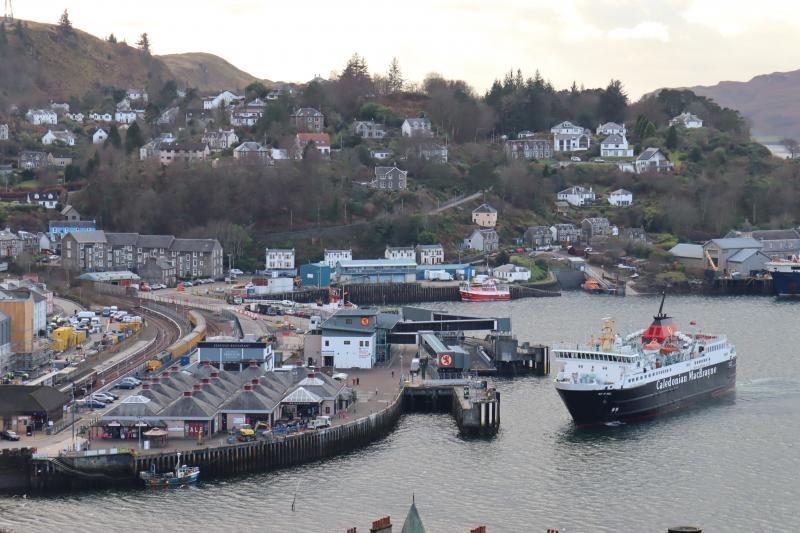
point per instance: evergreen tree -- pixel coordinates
(133, 137)
(111, 38)
(144, 43)
(394, 77)
(113, 137)
(672, 138)
(64, 24)
(613, 103)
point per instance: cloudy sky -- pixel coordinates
(645, 43)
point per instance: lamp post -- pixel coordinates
(139, 425)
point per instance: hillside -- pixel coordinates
(771, 102)
(38, 62)
(207, 72)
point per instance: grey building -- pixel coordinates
(389, 178)
(595, 227)
(777, 243)
(529, 148)
(157, 270)
(562, 233)
(100, 251)
(485, 240)
(739, 254)
(537, 237)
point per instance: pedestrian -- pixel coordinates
(358, 381)
(392, 373)
(376, 392)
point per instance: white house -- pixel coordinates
(41, 116)
(571, 142)
(75, 117)
(577, 196)
(615, 145)
(334, 256)
(59, 107)
(136, 94)
(433, 151)
(3, 132)
(125, 117)
(245, 117)
(688, 120)
(221, 139)
(380, 154)
(416, 126)
(367, 129)
(567, 128)
(652, 160)
(620, 198)
(225, 96)
(99, 136)
(64, 137)
(512, 273)
(101, 117)
(563, 233)
(279, 154)
(430, 254)
(611, 128)
(279, 259)
(400, 252)
(45, 199)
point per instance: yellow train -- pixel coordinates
(182, 346)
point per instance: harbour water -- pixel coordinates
(731, 465)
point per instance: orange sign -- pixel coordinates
(365, 321)
(446, 360)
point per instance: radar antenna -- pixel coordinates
(661, 307)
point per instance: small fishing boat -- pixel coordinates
(488, 291)
(182, 475)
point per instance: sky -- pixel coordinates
(647, 44)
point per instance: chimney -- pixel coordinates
(197, 386)
(382, 525)
(187, 393)
(254, 363)
(254, 381)
(248, 387)
(146, 386)
(352, 530)
(206, 381)
(207, 363)
(174, 368)
(215, 374)
(481, 529)
(310, 375)
(156, 380)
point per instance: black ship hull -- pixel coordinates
(594, 407)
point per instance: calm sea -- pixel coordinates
(731, 465)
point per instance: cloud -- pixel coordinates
(643, 30)
(736, 17)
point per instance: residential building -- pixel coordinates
(157, 270)
(224, 98)
(777, 243)
(689, 255)
(564, 233)
(620, 198)
(59, 228)
(59, 107)
(177, 151)
(65, 137)
(99, 136)
(30, 160)
(101, 251)
(571, 142)
(322, 142)
(430, 254)
(3, 132)
(220, 139)
(356, 338)
(71, 213)
(308, 120)
(331, 257)
(41, 116)
(400, 252)
(10, 244)
(615, 145)
(279, 259)
(595, 227)
(367, 129)
(168, 116)
(485, 240)
(561, 208)
(125, 117)
(485, 216)
(19, 308)
(389, 178)
(136, 94)
(737, 254)
(58, 160)
(252, 151)
(75, 117)
(101, 116)
(36, 295)
(687, 120)
(537, 237)
(526, 134)
(376, 271)
(567, 128)
(577, 196)
(48, 200)
(529, 148)
(512, 273)
(612, 128)
(413, 127)
(380, 154)
(279, 154)
(633, 235)
(433, 151)
(203, 118)
(245, 117)
(652, 160)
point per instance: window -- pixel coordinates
(348, 321)
(347, 343)
(327, 343)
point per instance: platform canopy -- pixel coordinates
(301, 396)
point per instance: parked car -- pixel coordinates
(126, 385)
(575, 158)
(93, 404)
(102, 397)
(235, 272)
(7, 434)
(131, 379)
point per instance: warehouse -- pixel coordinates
(36, 406)
(236, 355)
(315, 275)
(376, 271)
(456, 271)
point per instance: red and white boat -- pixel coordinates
(488, 291)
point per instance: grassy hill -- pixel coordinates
(207, 72)
(771, 102)
(38, 62)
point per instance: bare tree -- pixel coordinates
(792, 146)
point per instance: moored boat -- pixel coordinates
(182, 475)
(648, 373)
(785, 276)
(488, 291)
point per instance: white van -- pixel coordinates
(88, 315)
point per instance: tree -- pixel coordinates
(672, 138)
(111, 38)
(133, 137)
(258, 88)
(64, 24)
(792, 146)
(613, 102)
(113, 137)
(394, 77)
(144, 43)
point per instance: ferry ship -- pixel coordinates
(785, 276)
(647, 373)
(488, 291)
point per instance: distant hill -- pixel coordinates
(40, 63)
(207, 72)
(771, 102)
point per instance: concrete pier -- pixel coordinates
(474, 405)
